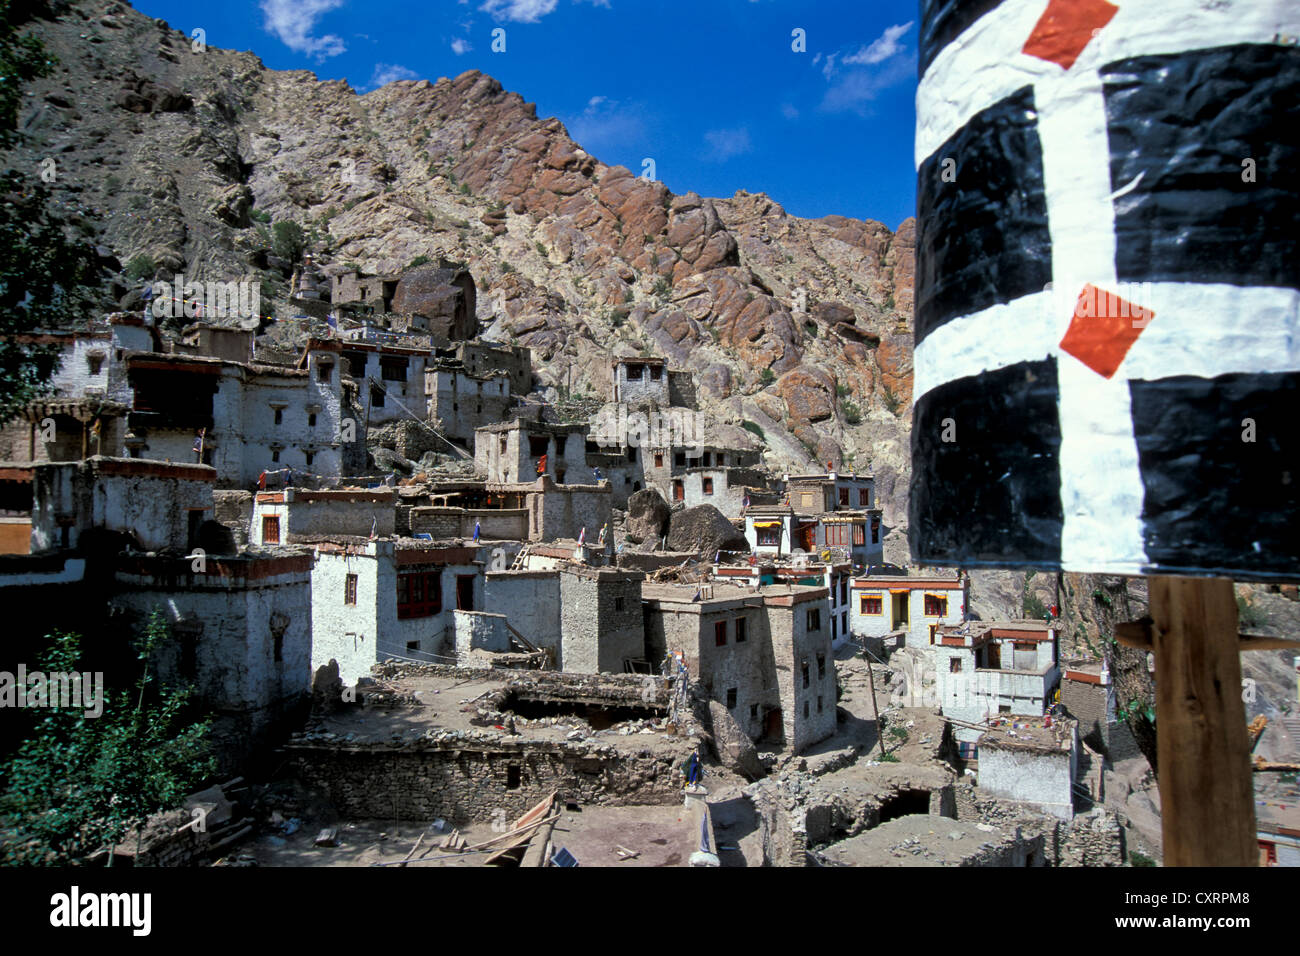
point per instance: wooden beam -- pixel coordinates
(1206, 789)
(1138, 634)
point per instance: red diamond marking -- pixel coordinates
(1103, 329)
(1066, 27)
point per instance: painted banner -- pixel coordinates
(1107, 364)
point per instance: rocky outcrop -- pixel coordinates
(647, 516)
(705, 530)
(731, 745)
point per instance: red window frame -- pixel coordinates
(270, 529)
(419, 593)
(872, 605)
(720, 633)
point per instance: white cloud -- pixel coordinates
(460, 46)
(858, 88)
(727, 143)
(293, 22)
(789, 112)
(386, 73)
(520, 11)
(882, 47)
(606, 124)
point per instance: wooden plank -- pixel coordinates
(1206, 789)
(1137, 634)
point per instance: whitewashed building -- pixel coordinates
(302, 516)
(371, 600)
(985, 669)
(915, 605)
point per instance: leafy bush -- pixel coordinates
(767, 376)
(141, 267)
(541, 250)
(1034, 607)
(288, 240)
(663, 289)
(506, 267)
(754, 428)
(260, 215)
(852, 414)
(419, 261)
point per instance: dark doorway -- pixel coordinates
(773, 728)
(905, 804)
(465, 592)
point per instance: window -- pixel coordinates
(679, 459)
(93, 363)
(805, 672)
(1004, 708)
(864, 498)
(631, 454)
(277, 639)
(618, 604)
(195, 522)
(815, 619)
(872, 604)
(659, 459)
(501, 444)
(805, 708)
(770, 537)
(419, 593)
(708, 459)
(844, 497)
(805, 499)
(412, 645)
(935, 606)
(954, 665)
(279, 416)
(834, 628)
(514, 776)
(859, 534)
(307, 458)
(844, 590)
(656, 373)
(753, 711)
(720, 633)
(875, 531)
(821, 666)
(740, 630)
(376, 396)
(537, 445)
(560, 442)
(350, 589)
(324, 371)
(706, 485)
(844, 622)
(634, 373)
(819, 704)
(837, 535)
(392, 369)
(731, 698)
(679, 490)
(270, 529)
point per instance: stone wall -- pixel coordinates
(1090, 839)
(234, 509)
(480, 782)
(601, 623)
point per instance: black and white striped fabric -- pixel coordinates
(1107, 364)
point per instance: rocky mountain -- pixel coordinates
(180, 159)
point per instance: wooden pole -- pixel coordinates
(1207, 797)
(880, 731)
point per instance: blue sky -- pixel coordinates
(713, 91)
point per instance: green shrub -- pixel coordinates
(419, 261)
(852, 414)
(767, 376)
(755, 428)
(506, 267)
(541, 249)
(1034, 607)
(259, 215)
(663, 289)
(141, 267)
(288, 240)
